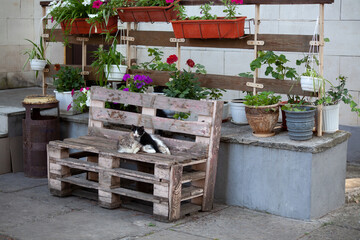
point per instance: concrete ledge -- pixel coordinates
(242, 134)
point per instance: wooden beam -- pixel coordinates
(231, 82)
(247, 2)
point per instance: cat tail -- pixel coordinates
(148, 149)
(164, 149)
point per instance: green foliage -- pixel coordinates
(156, 62)
(36, 52)
(293, 107)
(339, 93)
(68, 78)
(262, 99)
(104, 59)
(230, 9)
(147, 3)
(81, 99)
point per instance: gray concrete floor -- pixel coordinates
(28, 211)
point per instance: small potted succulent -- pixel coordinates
(208, 25)
(331, 104)
(67, 81)
(36, 56)
(262, 113)
(300, 121)
(109, 62)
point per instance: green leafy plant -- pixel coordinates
(262, 99)
(147, 3)
(294, 107)
(36, 52)
(339, 93)
(68, 78)
(230, 8)
(156, 62)
(104, 59)
(81, 100)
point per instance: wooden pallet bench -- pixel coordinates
(170, 185)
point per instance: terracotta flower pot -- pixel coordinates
(218, 28)
(262, 119)
(80, 26)
(148, 14)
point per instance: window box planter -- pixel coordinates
(218, 28)
(80, 26)
(147, 14)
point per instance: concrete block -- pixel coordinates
(350, 10)
(238, 61)
(350, 67)
(212, 59)
(27, 9)
(269, 12)
(10, 9)
(353, 152)
(331, 68)
(22, 79)
(37, 9)
(19, 30)
(267, 27)
(55, 52)
(344, 38)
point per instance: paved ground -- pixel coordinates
(28, 211)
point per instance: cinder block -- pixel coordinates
(10, 9)
(213, 60)
(27, 9)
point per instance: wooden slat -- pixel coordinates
(231, 82)
(76, 163)
(137, 176)
(153, 122)
(273, 42)
(138, 195)
(192, 176)
(81, 182)
(175, 192)
(152, 101)
(188, 208)
(191, 192)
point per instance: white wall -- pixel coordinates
(342, 53)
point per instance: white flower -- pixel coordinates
(53, 2)
(86, 2)
(82, 104)
(88, 101)
(92, 15)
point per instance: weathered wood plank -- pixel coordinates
(231, 82)
(192, 176)
(137, 176)
(76, 180)
(138, 195)
(246, 2)
(75, 163)
(188, 208)
(191, 192)
(151, 101)
(175, 193)
(212, 160)
(150, 122)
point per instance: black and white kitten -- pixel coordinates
(150, 143)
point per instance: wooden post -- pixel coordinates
(83, 58)
(178, 52)
(321, 59)
(161, 210)
(44, 22)
(257, 23)
(128, 50)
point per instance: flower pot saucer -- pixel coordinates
(237, 123)
(263, 135)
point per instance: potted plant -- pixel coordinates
(210, 26)
(147, 11)
(262, 113)
(84, 16)
(331, 104)
(310, 80)
(109, 62)
(300, 121)
(67, 81)
(36, 57)
(81, 100)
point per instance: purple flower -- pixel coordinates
(126, 77)
(147, 79)
(138, 78)
(140, 85)
(126, 89)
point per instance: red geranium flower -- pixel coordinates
(171, 59)
(190, 63)
(57, 67)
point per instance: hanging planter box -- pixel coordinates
(218, 28)
(148, 14)
(80, 26)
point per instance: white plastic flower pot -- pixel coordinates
(65, 99)
(237, 109)
(310, 84)
(226, 111)
(330, 116)
(37, 65)
(115, 74)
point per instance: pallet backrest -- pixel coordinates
(204, 129)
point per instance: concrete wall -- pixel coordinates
(20, 19)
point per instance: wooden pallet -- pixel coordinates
(172, 185)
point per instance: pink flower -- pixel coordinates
(72, 93)
(52, 19)
(97, 4)
(88, 88)
(172, 59)
(238, 1)
(126, 89)
(169, 1)
(68, 107)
